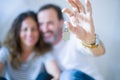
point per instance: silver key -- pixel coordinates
(66, 34)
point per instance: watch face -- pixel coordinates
(66, 34)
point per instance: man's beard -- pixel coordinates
(54, 38)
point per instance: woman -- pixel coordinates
(23, 54)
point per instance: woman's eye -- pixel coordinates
(24, 29)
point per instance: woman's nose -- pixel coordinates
(29, 33)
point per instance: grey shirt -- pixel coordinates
(28, 70)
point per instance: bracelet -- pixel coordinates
(90, 45)
(93, 45)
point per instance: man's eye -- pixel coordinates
(25, 29)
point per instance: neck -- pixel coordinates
(58, 39)
(26, 53)
(27, 49)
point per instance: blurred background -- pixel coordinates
(106, 14)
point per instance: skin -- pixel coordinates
(85, 31)
(53, 69)
(84, 25)
(50, 25)
(29, 35)
(30, 38)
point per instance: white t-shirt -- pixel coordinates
(28, 70)
(72, 54)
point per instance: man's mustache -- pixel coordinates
(51, 32)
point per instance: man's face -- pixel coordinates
(50, 25)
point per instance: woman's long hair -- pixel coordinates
(13, 43)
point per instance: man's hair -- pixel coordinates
(55, 7)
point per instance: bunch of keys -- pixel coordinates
(66, 34)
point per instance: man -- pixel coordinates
(72, 55)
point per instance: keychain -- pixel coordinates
(66, 34)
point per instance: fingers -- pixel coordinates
(70, 15)
(80, 6)
(68, 12)
(73, 29)
(70, 26)
(82, 17)
(79, 31)
(73, 5)
(89, 7)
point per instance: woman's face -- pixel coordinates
(29, 33)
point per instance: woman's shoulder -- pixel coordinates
(4, 54)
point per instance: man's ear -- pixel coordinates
(61, 23)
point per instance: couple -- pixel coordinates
(28, 53)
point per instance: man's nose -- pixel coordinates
(44, 28)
